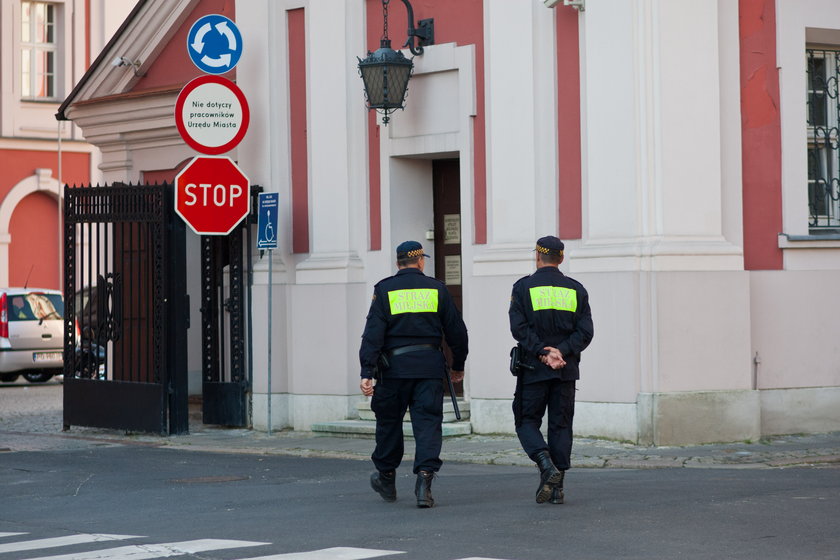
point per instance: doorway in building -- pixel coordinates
(446, 191)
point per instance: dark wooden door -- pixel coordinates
(446, 187)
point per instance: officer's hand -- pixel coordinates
(366, 386)
(457, 376)
(554, 358)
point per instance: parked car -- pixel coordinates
(31, 334)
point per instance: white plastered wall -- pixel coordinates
(800, 390)
(521, 144)
(263, 78)
(37, 119)
(318, 297)
(661, 254)
(436, 124)
(410, 197)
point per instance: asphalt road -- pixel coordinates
(296, 504)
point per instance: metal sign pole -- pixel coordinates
(270, 290)
(267, 239)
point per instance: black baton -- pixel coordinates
(452, 395)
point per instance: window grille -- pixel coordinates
(38, 50)
(823, 104)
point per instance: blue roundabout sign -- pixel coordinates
(214, 44)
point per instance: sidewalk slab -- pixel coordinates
(31, 421)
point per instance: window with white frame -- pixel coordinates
(823, 68)
(39, 52)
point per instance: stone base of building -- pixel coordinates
(661, 419)
(616, 421)
(798, 411)
(657, 419)
(688, 418)
(491, 416)
(299, 412)
(695, 417)
(721, 416)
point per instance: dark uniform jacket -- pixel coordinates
(409, 309)
(548, 308)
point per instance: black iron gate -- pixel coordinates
(225, 324)
(126, 309)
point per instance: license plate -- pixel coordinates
(46, 356)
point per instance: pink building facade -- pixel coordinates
(47, 47)
(685, 151)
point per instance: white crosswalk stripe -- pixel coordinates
(152, 551)
(169, 550)
(58, 541)
(336, 553)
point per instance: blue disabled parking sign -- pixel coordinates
(267, 221)
(214, 44)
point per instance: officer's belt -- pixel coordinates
(412, 348)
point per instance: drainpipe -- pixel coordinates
(60, 204)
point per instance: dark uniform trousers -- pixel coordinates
(390, 399)
(529, 405)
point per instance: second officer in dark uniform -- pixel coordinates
(410, 315)
(551, 320)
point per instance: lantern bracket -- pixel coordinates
(425, 31)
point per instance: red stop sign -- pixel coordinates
(212, 195)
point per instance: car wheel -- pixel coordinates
(8, 377)
(37, 376)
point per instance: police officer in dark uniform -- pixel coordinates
(551, 320)
(409, 317)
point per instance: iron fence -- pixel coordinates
(125, 331)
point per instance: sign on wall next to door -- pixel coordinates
(451, 229)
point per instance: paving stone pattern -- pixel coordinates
(31, 420)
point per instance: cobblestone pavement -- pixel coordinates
(31, 420)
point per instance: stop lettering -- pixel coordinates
(219, 195)
(212, 195)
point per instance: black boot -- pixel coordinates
(557, 496)
(385, 485)
(549, 476)
(423, 489)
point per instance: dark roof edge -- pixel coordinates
(60, 116)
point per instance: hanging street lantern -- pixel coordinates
(385, 72)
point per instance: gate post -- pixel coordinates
(177, 319)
